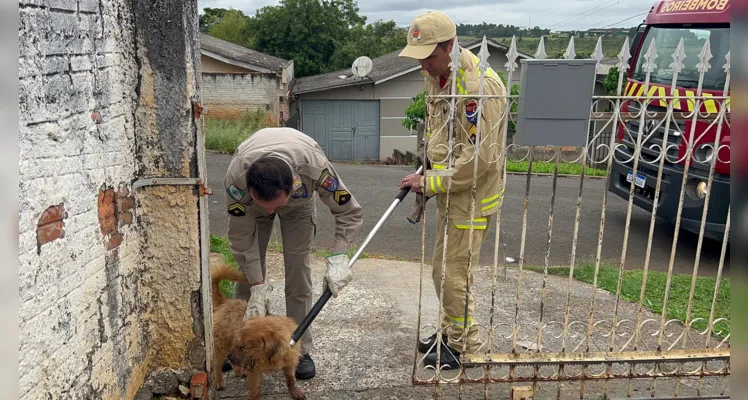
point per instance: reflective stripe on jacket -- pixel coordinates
(489, 177)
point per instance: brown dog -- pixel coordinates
(255, 346)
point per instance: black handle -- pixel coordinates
(316, 308)
(404, 191)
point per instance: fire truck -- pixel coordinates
(667, 22)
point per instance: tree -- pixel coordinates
(232, 26)
(611, 81)
(306, 31)
(415, 113)
(372, 40)
(210, 17)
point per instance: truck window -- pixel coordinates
(666, 40)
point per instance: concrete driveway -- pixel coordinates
(375, 188)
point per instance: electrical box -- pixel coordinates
(555, 99)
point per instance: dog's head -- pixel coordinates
(254, 347)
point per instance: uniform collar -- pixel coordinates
(463, 64)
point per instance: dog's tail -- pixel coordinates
(220, 273)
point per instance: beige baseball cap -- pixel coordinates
(426, 31)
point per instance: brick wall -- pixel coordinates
(104, 96)
(230, 94)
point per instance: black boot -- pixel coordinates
(448, 359)
(305, 370)
(428, 345)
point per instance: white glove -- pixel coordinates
(259, 301)
(338, 275)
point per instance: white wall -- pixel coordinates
(102, 269)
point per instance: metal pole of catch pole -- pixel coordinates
(317, 307)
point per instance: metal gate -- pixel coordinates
(579, 335)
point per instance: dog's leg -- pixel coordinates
(219, 376)
(220, 355)
(293, 389)
(254, 379)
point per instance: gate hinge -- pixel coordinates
(198, 109)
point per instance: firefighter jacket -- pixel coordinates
(488, 182)
(312, 173)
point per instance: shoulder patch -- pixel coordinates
(471, 111)
(237, 210)
(235, 192)
(472, 133)
(327, 181)
(301, 192)
(342, 197)
(297, 182)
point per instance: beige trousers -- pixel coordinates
(454, 323)
(297, 232)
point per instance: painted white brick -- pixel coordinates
(66, 157)
(70, 5)
(77, 324)
(81, 63)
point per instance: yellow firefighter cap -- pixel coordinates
(426, 31)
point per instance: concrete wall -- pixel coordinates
(231, 94)
(109, 289)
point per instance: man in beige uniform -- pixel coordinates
(276, 172)
(430, 40)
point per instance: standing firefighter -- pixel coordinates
(276, 172)
(430, 40)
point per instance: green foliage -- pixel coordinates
(556, 44)
(370, 40)
(611, 82)
(229, 25)
(210, 17)
(306, 31)
(546, 167)
(415, 113)
(319, 35)
(493, 30)
(220, 245)
(224, 135)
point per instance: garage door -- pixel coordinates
(347, 130)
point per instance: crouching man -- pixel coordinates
(276, 172)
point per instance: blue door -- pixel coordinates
(347, 130)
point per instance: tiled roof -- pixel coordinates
(239, 53)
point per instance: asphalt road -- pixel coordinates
(375, 188)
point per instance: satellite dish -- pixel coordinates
(361, 67)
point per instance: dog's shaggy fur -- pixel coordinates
(255, 346)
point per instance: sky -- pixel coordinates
(554, 14)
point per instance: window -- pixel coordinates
(666, 41)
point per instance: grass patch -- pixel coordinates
(224, 135)
(546, 167)
(680, 287)
(220, 245)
